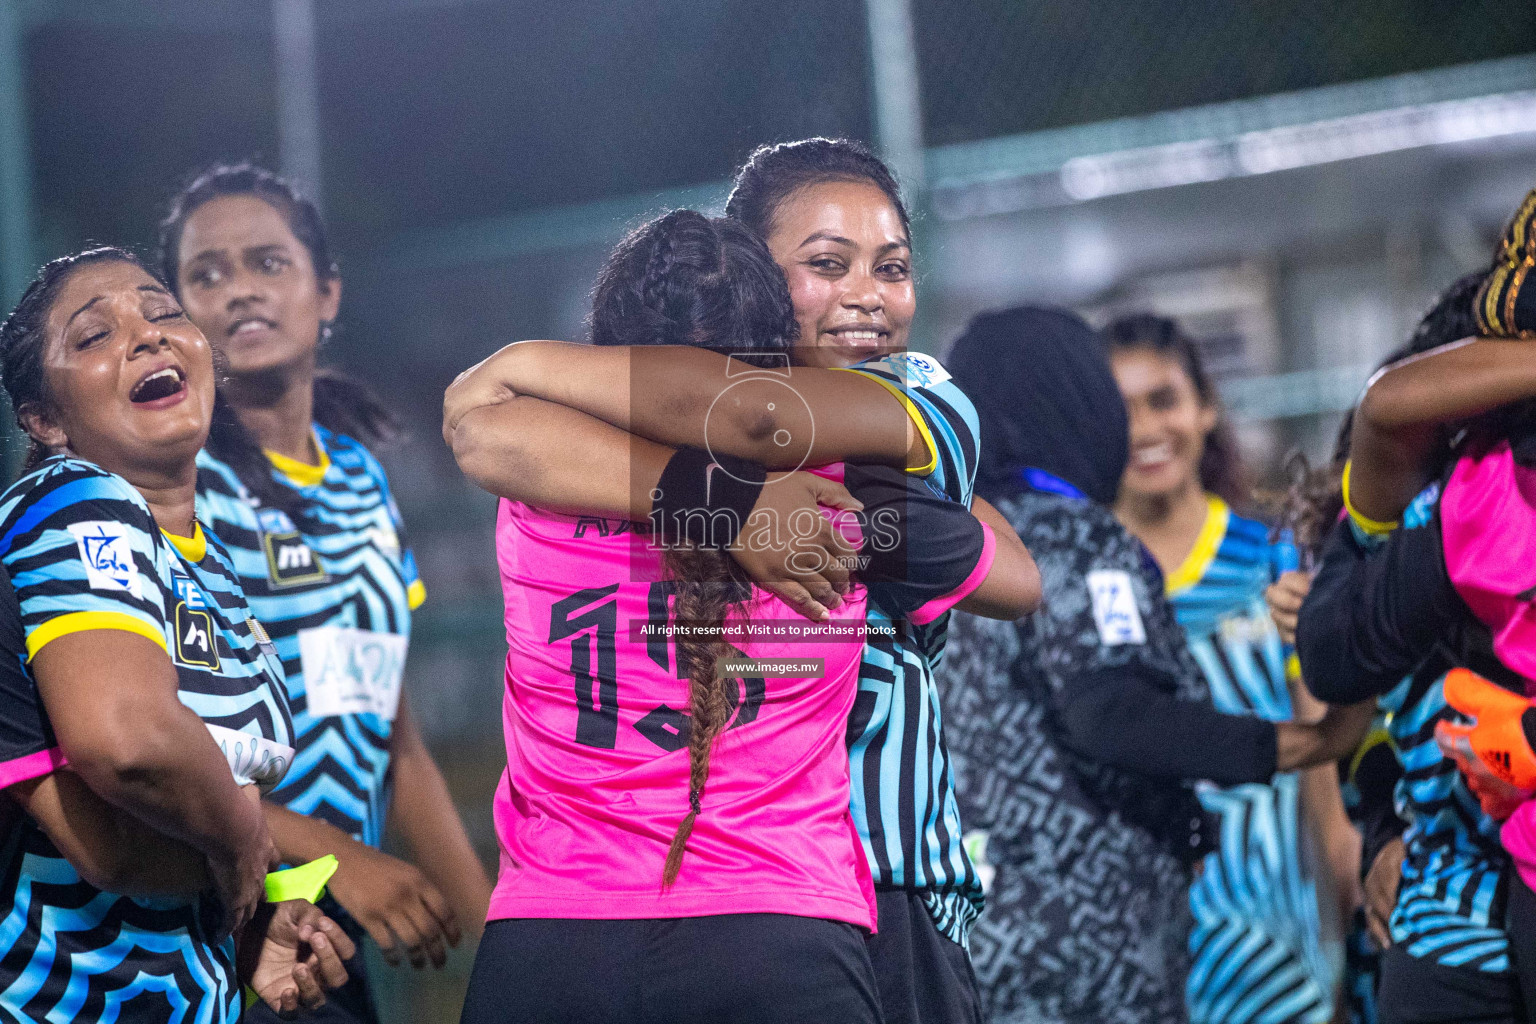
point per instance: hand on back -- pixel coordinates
(291, 953)
(793, 551)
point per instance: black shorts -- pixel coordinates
(1418, 991)
(924, 977)
(1520, 925)
(725, 969)
(1414, 991)
(350, 1004)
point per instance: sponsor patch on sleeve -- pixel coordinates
(1114, 608)
(107, 552)
(917, 369)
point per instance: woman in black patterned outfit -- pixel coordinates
(1077, 732)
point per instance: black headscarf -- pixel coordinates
(1041, 383)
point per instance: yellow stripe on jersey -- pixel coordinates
(913, 413)
(79, 622)
(193, 548)
(301, 474)
(1200, 557)
(416, 594)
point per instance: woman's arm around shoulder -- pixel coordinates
(783, 417)
(1408, 405)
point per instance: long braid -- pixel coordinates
(687, 279)
(707, 585)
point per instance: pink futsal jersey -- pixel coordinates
(1488, 527)
(597, 760)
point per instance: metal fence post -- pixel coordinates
(298, 93)
(17, 231)
(897, 95)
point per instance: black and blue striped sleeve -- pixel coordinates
(922, 554)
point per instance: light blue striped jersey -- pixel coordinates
(1257, 947)
(83, 552)
(1450, 901)
(903, 783)
(334, 584)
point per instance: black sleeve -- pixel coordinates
(1372, 617)
(920, 549)
(1123, 688)
(1119, 717)
(26, 736)
(1375, 779)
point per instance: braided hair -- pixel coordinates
(772, 174)
(687, 279)
(342, 404)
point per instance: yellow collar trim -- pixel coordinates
(1200, 557)
(193, 548)
(301, 474)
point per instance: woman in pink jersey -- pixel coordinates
(1461, 419)
(653, 870)
(766, 899)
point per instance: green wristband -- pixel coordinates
(305, 882)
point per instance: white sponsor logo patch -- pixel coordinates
(1114, 608)
(108, 556)
(274, 520)
(1246, 629)
(252, 759)
(352, 671)
(918, 370)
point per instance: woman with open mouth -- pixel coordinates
(143, 708)
(289, 484)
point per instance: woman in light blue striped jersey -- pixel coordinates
(317, 541)
(140, 703)
(1266, 942)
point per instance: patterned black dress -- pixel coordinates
(1087, 914)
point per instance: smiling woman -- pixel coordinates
(832, 218)
(834, 221)
(1182, 473)
(130, 660)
